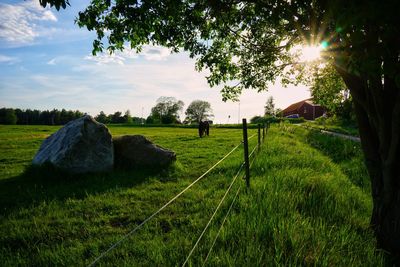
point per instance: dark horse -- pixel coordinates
(204, 128)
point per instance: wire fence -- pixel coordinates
(245, 165)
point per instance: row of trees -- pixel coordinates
(47, 117)
(166, 111)
(117, 117)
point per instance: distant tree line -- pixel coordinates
(59, 117)
(166, 111)
(117, 117)
(32, 117)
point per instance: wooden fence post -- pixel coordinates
(263, 131)
(259, 136)
(246, 153)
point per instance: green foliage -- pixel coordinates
(335, 124)
(7, 116)
(308, 203)
(249, 42)
(166, 111)
(294, 120)
(269, 108)
(28, 116)
(329, 90)
(56, 3)
(128, 117)
(259, 119)
(102, 117)
(198, 110)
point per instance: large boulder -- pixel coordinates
(132, 151)
(82, 145)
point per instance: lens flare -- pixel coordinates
(310, 53)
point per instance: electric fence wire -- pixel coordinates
(254, 149)
(160, 209)
(251, 136)
(222, 224)
(212, 217)
(226, 216)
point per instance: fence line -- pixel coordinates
(113, 246)
(159, 210)
(227, 213)
(212, 217)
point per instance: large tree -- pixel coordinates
(167, 110)
(328, 89)
(250, 42)
(269, 108)
(199, 110)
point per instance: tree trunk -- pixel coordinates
(379, 127)
(385, 219)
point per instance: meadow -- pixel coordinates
(308, 204)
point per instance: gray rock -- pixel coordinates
(132, 151)
(82, 145)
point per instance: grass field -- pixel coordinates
(309, 204)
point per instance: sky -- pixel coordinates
(46, 63)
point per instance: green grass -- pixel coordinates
(309, 204)
(334, 125)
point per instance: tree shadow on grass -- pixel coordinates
(346, 154)
(38, 184)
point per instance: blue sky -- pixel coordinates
(46, 63)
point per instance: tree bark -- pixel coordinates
(380, 137)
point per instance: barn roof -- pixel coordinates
(297, 105)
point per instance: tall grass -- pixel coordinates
(308, 204)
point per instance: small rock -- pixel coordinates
(133, 151)
(82, 145)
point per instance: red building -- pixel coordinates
(306, 109)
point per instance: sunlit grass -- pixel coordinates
(309, 204)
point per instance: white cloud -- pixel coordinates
(20, 23)
(104, 58)
(133, 85)
(8, 60)
(156, 53)
(52, 62)
(151, 53)
(138, 84)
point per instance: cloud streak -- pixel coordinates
(20, 24)
(8, 60)
(150, 53)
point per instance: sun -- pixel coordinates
(310, 53)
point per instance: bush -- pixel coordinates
(295, 120)
(321, 120)
(268, 119)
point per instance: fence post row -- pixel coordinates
(246, 153)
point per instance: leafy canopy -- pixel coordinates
(247, 44)
(329, 90)
(167, 110)
(269, 108)
(198, 110)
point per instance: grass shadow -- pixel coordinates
(38, 184)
